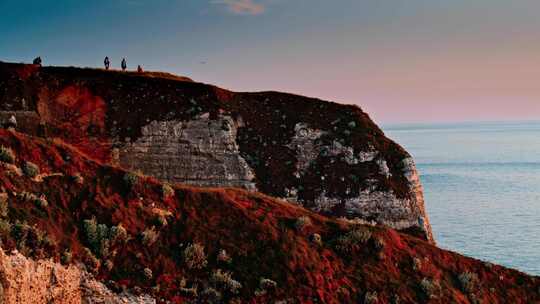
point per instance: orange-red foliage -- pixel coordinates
(257, 231)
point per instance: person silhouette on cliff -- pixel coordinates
(139, 69)
(37, 61)
(124, 64)
(107, 63)
(11, 123)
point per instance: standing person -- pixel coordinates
(139, 69)
(107, 63)
(11, 123)
(37, 61)
(124, 64)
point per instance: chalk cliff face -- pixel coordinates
(328, 157)
(200, 152)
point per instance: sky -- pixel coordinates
(399, 60)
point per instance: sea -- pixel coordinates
(481, 186)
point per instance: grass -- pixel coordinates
(7, 155)
(194, 256)
(30, 169)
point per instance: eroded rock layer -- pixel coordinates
(328, 157)
(26, 281)
(201, 152)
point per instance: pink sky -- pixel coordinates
(400, 60)
(454, 84)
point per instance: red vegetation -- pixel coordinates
(259, 233)
(89, 108)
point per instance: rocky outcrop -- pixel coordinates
(383, 207)
(328, 157)
(201, 152)
(26, 281)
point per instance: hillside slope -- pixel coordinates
(157, 243)
(328, 157)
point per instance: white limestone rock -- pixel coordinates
(200, 152)
(383, 168)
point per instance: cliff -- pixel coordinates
(75, 230)
(328, 157)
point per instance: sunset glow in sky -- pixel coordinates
(400, 60)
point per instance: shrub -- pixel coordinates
(224, 257)
(468, 281)
(211, 296)
(44, 239)
(131, 179)
(417, 264)
(430, 288)
(7, 155)
(190, 292)
(20, 231)
(225, 281)
(474, 299)
(90, 260)
(101, 238)
(167, 191)
(30, 239)
(194, 256)
(160, 220)
(4, 206)
(302, 222)
(5, 228)
(353, 239)
(41, 200)
(77, 178)
(119, 234)
(148, 273)
(265, 286)
(66, 257)
(30, 169)
(379, 243)
(371, 297)
(149, 236)
(97, 236)
(316, 239)
(27, 196)
(108, 264)
(239, 301)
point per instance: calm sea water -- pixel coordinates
(482, 187)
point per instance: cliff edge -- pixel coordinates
(327, 157)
